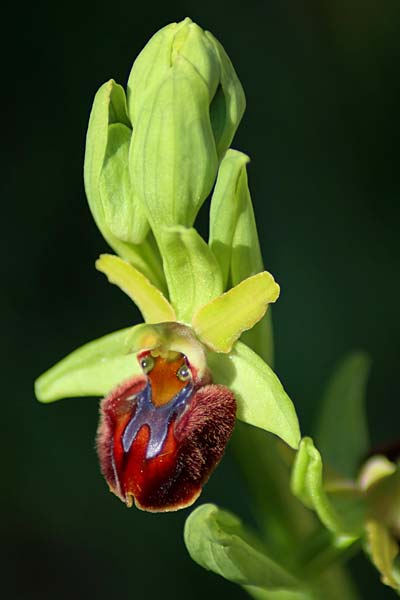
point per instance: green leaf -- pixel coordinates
(383, 550)
(218, 542)
(122, 210)
(307, 485)
(92, 370)
(109, 107)
(220, 322)
(261, 399)
(342, 432)
(151, 302)
(191, 270)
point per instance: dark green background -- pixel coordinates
(322, 127)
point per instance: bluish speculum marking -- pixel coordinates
(157, 418)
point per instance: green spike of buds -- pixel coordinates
(185, 103)
(151, 161)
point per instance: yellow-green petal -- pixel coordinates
(220, 323)
(151, 302)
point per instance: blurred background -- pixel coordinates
(322, 127)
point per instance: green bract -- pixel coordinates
(234, 239)
(217, 540)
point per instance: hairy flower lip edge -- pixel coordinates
(198, 435)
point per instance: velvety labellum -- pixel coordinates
(162, 433)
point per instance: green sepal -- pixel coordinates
(342, 431)
(123, 213)
(192, 273)
(217, 541)
(109, 107)
(308, 486)
(261, 399)
(220, 322)
(384, 552)
(92, 370)
(153, 305)
(173, 160)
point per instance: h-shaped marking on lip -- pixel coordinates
(157, 418)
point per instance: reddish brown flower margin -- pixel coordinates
(161, 434)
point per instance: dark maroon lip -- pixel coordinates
(161, 456)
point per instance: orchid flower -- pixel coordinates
(172, 387)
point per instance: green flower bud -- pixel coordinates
(110, 193)
(185, 103)
(112, 199)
